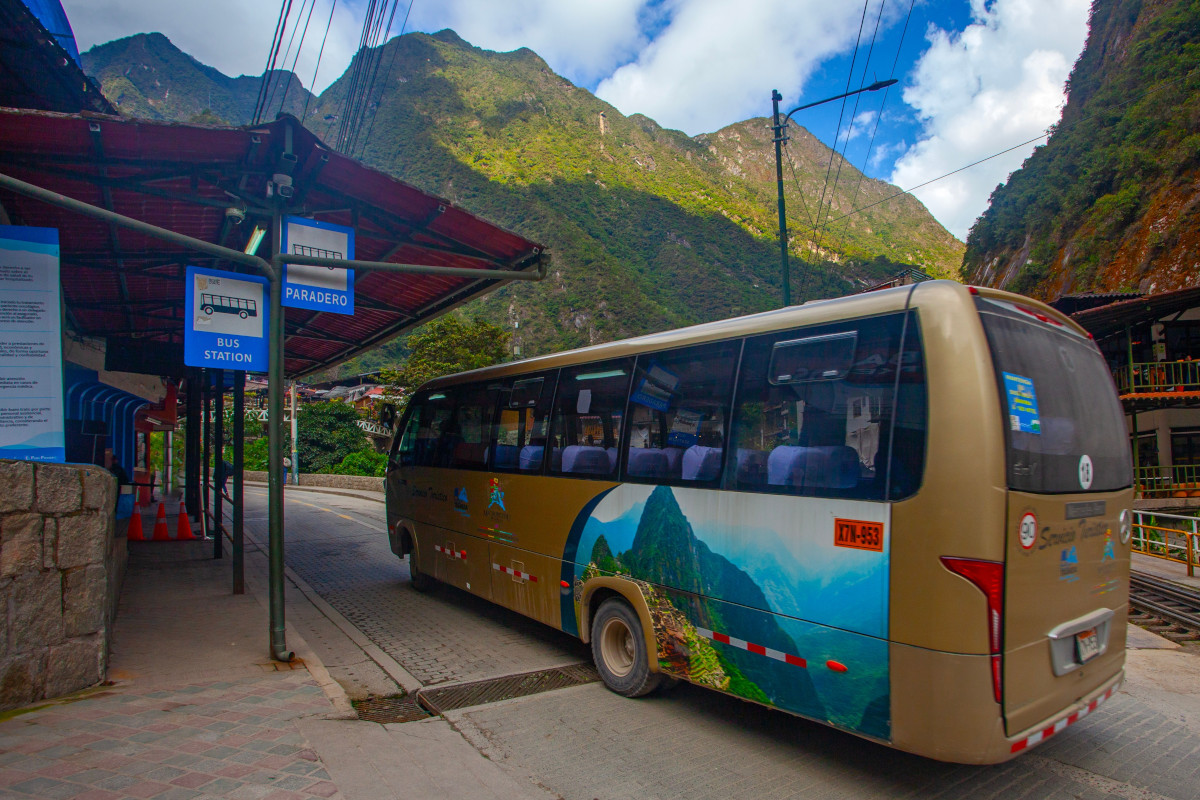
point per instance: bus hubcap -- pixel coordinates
(616, 644)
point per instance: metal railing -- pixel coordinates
(1168, 536)
(1161, 482)
(1159, 376)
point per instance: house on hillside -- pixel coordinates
(1152, 345)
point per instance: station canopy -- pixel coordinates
(212, 183)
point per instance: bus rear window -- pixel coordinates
(1064, 426)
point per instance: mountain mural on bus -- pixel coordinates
(754, 598)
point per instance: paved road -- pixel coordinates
(588, 743)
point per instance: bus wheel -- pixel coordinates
(619, 650)
(242, 314)
(208, 310)
(420, 581)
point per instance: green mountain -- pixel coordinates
(147, 76)
(1110, 202)
(647, 228)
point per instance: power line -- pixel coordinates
(1081, 118)
(320, 53)
(841, 113)
(882, 105)
(296, 58)
(285, 8)
(380, 42)
(842, 161)
(387, 77)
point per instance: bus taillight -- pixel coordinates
(987, 577)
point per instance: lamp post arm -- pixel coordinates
(874, 87)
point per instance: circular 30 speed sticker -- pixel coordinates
(1028, 531)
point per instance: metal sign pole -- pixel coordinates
(279, 649)
(239, 481)
(219, 452)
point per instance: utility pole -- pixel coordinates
(779, 139)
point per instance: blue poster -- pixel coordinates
(227, 325)
(317, 288)
(1022, 404)
(31, 372)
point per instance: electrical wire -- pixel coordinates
(841, 114)
(1082, 118)
(292, 77)
(387, 77)
(316, 69)
(842, 161)
(283, 62)
(273, 53)
(882, 105)
(377, 58)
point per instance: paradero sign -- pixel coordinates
(328, 289)
(227, 320)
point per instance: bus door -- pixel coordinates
(1066, 574)
(518, 516)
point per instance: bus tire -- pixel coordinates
(619, 650)
(208, 310)
(420, 581)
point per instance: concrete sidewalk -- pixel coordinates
(196, 708)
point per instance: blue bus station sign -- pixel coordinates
(227, 325)
(317, 288)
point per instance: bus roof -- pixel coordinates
(814, 312)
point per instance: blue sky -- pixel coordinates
(976, 76)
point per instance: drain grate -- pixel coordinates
(464, 695)
(401, 708)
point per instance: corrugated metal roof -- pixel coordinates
(184, 178)
(1112, 318)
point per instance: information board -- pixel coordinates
(31, 375)
(318, 288)
(227, 325)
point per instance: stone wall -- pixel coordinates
(60, 574)
(361, 482)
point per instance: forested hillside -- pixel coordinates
(647, 228)
(1112, 201)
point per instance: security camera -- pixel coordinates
(235, 215)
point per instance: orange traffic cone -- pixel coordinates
(183, 530)
(134, 532)
(160, 525)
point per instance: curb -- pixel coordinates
(361, 494)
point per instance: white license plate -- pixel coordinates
(1087, 645)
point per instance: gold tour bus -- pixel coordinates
(903, 513)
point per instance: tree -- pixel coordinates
(327, 433)
(444, 346)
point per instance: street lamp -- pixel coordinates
(779, 127)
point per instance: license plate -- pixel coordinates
(1087, 645)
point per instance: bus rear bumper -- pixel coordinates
(1041, 732)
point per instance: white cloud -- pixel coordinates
(583, 40)
(997, 83)
(716, 62)
(231, 35)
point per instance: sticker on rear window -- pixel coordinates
(1022, 404)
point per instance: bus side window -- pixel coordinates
(588, 412)
(422, 435)
(815, 409)
(471, 429)
(522, 422)
(907, 464)
(677, 414)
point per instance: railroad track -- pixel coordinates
(1179, 609)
